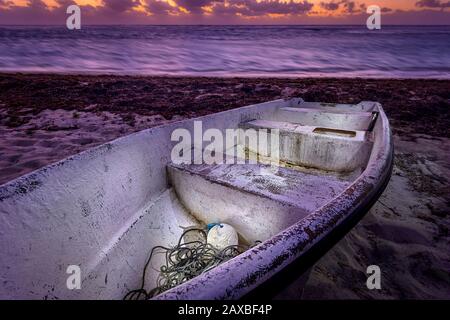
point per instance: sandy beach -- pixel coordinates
(46, 118)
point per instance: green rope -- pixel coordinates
(184, 262)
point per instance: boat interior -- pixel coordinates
(321, 151)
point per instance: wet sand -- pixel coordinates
(45, 118)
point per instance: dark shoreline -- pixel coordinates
(422, 102)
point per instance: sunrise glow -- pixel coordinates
(225, 11)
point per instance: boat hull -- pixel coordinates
(103, 209)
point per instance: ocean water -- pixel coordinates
(400, 51)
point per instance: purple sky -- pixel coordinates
(415, 12)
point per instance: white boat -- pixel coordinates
(104, 209)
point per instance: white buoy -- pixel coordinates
(221, 236)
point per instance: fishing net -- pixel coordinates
(183, 262)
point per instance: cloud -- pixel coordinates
(120, 5)
(194, 6)
(37, 12)
(252, 8)
(247, 8)
(159, 7)
(433, 4)
(331, 6)
(5, 3)
(35, 8)
(350, 6)
(275, 7)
